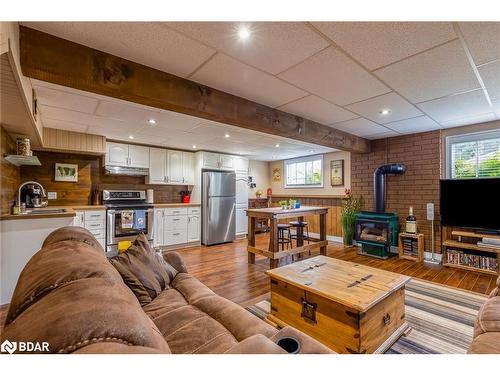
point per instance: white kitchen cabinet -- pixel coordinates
(159, 215)
(119, 154)
(157, 166)
(240, 164)
(170, 167)
(94, 221)
(116, 154)
(177, 226)
(188, 168)
(241, 220)
(174, 170)
(241, 188)
(211, 160)
(138, 156)
(194, 228)
(227, 162)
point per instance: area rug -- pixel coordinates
(442, 319)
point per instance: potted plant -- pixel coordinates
(283, 204)
(350, 207)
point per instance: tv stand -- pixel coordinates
(488, 231)
(460, 250)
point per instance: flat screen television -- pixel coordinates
(471, 203)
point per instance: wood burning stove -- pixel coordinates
(378, 231)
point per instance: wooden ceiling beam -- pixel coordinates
(52, 59)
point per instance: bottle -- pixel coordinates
(411, 222)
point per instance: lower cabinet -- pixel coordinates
(95, 222)
(177, 227)
(241, 220)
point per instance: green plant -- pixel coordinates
(350, 206)
(283, 203)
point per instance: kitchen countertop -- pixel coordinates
(70, 211)
(166, 205)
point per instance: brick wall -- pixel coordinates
(417, 187)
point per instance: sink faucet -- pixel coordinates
(44, 194)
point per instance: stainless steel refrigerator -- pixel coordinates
(219, 205)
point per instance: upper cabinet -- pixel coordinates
(188, 168)
(170, 167)
(225, 162)
(119, 154)
(240, 164)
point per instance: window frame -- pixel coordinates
(286, 162)
(463, 138)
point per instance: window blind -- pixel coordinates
(476, 158)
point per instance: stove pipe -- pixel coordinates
(379, 182)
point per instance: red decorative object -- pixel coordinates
(186, 198)
(269, 192)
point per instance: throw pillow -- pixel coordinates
(143, 270)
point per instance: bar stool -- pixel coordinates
(303, 225)
(282, 239)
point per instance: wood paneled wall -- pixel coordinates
(10, 176)
(333, 226)
(90, 176)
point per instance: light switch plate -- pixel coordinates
(52, 195)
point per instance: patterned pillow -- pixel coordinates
(143, 270)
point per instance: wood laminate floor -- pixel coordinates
(225, 270)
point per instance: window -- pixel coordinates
(304, 172)
(474, 155)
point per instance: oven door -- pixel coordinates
(126, 224)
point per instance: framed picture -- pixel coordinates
(337, 172)
(66, 172)
(276, 174)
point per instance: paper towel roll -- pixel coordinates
(150, 195)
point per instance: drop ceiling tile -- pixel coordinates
(399, 108)
(316, 109)
(456, 106)
(414, 125)
(64, 125)
(482, 39)
(386, 134)
(272, 46)
(333, 76)
(229, 75)
(127, 112)
(476, 119)
(147, 43)
(360, 127)
(490, 73)
(432, 74)
(65, 100)
(376, 44)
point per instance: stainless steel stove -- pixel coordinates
(127, 215)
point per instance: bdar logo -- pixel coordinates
(9, 347)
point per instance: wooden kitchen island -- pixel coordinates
(273, 215)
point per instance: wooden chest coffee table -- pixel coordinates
(349, 307)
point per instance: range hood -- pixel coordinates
(126, 171)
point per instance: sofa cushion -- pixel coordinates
(488, 318)
(143, 270)
(487, 343)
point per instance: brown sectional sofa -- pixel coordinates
(72, 297)
(487, 327)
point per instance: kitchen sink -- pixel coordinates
(42, 211)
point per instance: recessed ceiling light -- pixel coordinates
(194, 146)
(130, 137)
(227, 135)
(243, 33)
(311, 151)
(385, 112)
(152, 121)
(277, 145)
